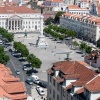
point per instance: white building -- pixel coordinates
(19, 19)
(87, 26)
(74, 9)
(66, 81)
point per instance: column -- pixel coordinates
(17, 25)
(8, 24)
(11, 24)
(14, 24)
(41, 24)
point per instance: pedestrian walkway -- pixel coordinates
(48, 56)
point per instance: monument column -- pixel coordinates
(41, 42)
(41, 24)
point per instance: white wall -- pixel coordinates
(94, 96)
(76, 88)
(68, 82)
(56, 73)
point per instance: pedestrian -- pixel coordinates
(55, 47)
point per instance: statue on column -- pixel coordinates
(41, 10)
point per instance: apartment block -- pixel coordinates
(87, 26)
(72, 80)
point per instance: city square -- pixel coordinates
(49, 55)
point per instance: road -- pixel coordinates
(14, 64)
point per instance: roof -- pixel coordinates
(16, 87)
(55, 0)
(89, 18)
(75, 7)
(94, 84)
(11, 86)
(80, 90)
(16, 9)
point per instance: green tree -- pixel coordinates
(88, 49)
(3, 57)
(83, 46)
(75, 43)
(57, 17)
(49, 21)
(30, 57)
(98, 43)
(35, 62)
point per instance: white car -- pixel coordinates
(40, 90)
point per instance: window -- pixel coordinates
(58, 86)
(54, 82)
(64, 92)
(50, 79)
(50, 90)
(53, 94)
(57, 97)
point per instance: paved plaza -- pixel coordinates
(48, 56)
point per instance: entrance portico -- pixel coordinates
(14, 23)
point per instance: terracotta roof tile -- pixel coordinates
(16, 9)
(94, 84)
(17, 87)
(69, 87)
(80, 90)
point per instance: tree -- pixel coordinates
(30, 57)
(98, 43)
(75, 43)
(6, 35)
(35, 62)
(49, 21)
(88, 49)
(57, 17)
(83, 46)
(3, 57)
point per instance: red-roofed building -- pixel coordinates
(16, 18)
(10, 86)
(66, 80)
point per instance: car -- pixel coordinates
(35, 79)
(40, 90)
(29, 81)
(27, 67)
(42, 84)
(30, 72)
(17, 71)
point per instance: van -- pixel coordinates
(35, 79)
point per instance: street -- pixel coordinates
(14, 64)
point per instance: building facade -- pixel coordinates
(74, 9)
(66, 81)
(19, 19)
(87, 26)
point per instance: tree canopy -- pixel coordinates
(6, 35)
(35, 62)
(3, 57)
(49, 21)
(57, 17)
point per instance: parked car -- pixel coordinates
(27, 67)
(35, 79)
(29, 81)
(40, 90)
(17, 71)
(30, 72)
(42, 84)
